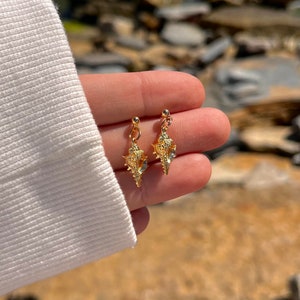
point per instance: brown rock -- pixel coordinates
(249, 17)
(239, 168)
(280, 109)
(269, 139)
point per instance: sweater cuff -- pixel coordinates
(60, 203)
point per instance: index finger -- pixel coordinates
(115, 98)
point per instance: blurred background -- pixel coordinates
(238, 238)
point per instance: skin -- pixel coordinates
(116, 98)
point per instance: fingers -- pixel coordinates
(188, 173)
(197, 130)
(115, 98)
(140, 219)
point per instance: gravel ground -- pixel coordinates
(220, 243)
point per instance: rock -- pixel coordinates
(278, 112)
(156, 55)
(296, 128)
(237, 84)
(117, 25)
(132, 42)
(240, 91)
(296, 160)
(269, 139)
(108, 69)
(247, 17)
(255, 43)
(266, 175)
(294, 287)
(183, 34)
(183, 11)
(294, 6)
(234, 75)
(94, 60)
(214, 50)
(240, 167)
(279, 82)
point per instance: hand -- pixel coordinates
(116, 98)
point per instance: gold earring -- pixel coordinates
(136, 160)
(165, 148)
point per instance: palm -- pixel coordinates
(114, 99)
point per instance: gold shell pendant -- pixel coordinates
(136, 162)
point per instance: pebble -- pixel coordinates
(183, 34)
(214, 50)
(241, 91)
(94, 60)
(247, 17)
(237, 75)
(132, 42)
(296, 160)
(183, 11)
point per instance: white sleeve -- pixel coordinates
(60, 204)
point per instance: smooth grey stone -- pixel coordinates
(183, 11)
(273, 72)
(236, 75)
(183, 34)
(132, 42)
(214, 50)
(242, 90)
(94, 60)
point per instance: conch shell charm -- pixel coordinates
(136, 160)
(165, 148)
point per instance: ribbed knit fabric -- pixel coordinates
(60, 204)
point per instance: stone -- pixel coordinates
(294, 6)
(132, 42)
(236, 75)
(294, 287)
(248, 17)
(94, 60)
(278, 87)
(255, 43)
(270, 139)
(183, 34)
(296, 128)
(296, 160)
(240, 91)
(118, 25)
(109, 69)
(238, 168)
(183, 11)
(266, 175)
(214, 50)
